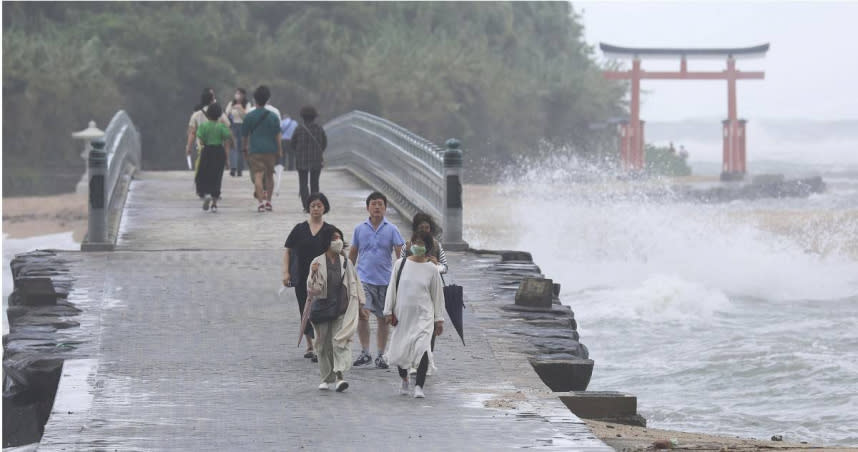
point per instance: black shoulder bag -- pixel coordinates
(327, 309)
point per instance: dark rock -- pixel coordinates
(533, 331)
(662, 444)
(46, 320)
(556, 356)
(21, 424)
(777, 438)
(555, 345)
(518, 256)
(562, 375)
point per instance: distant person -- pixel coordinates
(414, 306)
(303, 244)
(683, 154)
(308, 144)
(372, 244)
(276, 112)
(338, 298)
(287, 129)
(215, 138)
(672, 149)
(198, 117)
(262, 146)
(424, 223)
(236, 110)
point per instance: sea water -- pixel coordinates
(737, 318)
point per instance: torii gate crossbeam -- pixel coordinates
(631, 133)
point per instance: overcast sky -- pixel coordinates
(811, 68)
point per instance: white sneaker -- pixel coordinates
(324, 386)
(418, 393)
(405, 389)
(342, 385)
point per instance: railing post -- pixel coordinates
(452, 208)
(96, 239)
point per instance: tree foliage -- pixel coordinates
(499, 76)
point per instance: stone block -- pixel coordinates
(536, 293)
(608, 406)
(564, 375)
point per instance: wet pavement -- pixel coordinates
(189, 347)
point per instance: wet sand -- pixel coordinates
(629, 438)
(41, 215)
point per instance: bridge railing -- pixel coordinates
(414, 173)
(112, 162)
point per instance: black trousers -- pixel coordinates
(301, 294)
(209, 175)
(422, 368)
(303, 189)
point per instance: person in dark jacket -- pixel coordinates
(308, 144)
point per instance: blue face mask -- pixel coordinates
(418, 250)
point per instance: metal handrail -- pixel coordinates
(122, 146)
(416, 174)
(406, 165)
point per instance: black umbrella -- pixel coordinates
(454, 302)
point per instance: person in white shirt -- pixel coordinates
(414, 306)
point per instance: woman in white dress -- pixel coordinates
(414, 306)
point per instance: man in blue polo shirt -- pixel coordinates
(374, 244)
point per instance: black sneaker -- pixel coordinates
(315, 358)
(364, 358)
(380, 362)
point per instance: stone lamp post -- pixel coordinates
(87, 135)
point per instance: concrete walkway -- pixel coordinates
(190, 348)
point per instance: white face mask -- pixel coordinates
(337, 246)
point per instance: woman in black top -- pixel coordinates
(304, 243)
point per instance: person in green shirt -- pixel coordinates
(215, 138)
(262, 146)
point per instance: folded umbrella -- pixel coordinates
(305, 318)
(278, 170)
(454, 302)
(190, 165)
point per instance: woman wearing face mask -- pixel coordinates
(337, 292)
(304, 243)
(414, 306)
(423, 223)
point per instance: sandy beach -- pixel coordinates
(41, 215)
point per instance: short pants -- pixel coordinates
(375, 296)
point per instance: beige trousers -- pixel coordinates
(333, 360)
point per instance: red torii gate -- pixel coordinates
(631, 133)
